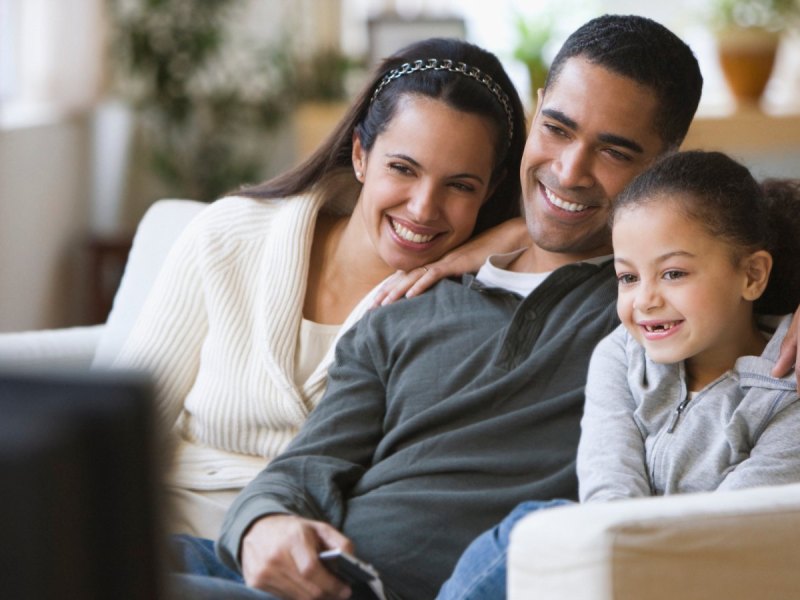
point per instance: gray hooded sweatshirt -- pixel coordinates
(643, 435)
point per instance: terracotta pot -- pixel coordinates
(747, 57)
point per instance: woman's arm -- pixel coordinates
(167, 337)
(467, 258)
(611, 453)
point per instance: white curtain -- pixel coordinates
(53, 57)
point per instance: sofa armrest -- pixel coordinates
(70, 348)
(732, 545)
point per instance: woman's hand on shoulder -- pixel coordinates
(789, 355)
(467, 258)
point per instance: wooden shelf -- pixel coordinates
(746, 130)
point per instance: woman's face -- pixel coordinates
(425, 178)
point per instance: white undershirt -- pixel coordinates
(494, 273)
(312, 345)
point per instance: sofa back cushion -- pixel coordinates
(157, 231)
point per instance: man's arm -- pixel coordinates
(306, 489)
(789, 355)
(280, 556)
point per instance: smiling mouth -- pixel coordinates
(660, 327)
(409, 236)
(563, 204)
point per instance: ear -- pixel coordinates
(538, 107)
(756, 268)
(359, 157)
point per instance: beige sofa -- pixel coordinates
(732, 546)
(742, 545)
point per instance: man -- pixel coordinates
(446, 410)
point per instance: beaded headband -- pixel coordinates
(459, 67)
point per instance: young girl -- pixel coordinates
(679, 398)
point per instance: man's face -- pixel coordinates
(592, 133)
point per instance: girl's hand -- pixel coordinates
(467, 258)
(789, 354)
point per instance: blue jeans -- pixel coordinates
(199, 575)
(480, 573)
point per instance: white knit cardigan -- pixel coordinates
(219, 330)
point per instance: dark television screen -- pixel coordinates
(79, 507)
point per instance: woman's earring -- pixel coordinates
(359, 175)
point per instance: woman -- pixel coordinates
(240, 327)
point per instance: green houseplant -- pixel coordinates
(203, 109)
(533, 34)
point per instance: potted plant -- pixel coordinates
(748, 33)
(202, 108)
(533, 34)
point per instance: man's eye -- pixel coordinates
(617, 155)
(555, 129)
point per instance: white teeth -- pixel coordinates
(409, 235)
(563, 204)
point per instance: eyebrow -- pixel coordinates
(660, 259)
(609, 138)
(454, 176)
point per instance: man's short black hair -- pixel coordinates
(648, 53)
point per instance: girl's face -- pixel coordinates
(425, 179)
(680, 293)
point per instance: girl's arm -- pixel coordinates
(775, 457)
(467, 258)
(611, 453)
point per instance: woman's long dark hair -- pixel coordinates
(368, 118)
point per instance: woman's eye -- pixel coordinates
(626, 278)
(400, 168)
(464, 187)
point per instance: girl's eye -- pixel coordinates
(626, 278)
(671, 275)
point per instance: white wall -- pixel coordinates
(44, 203)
